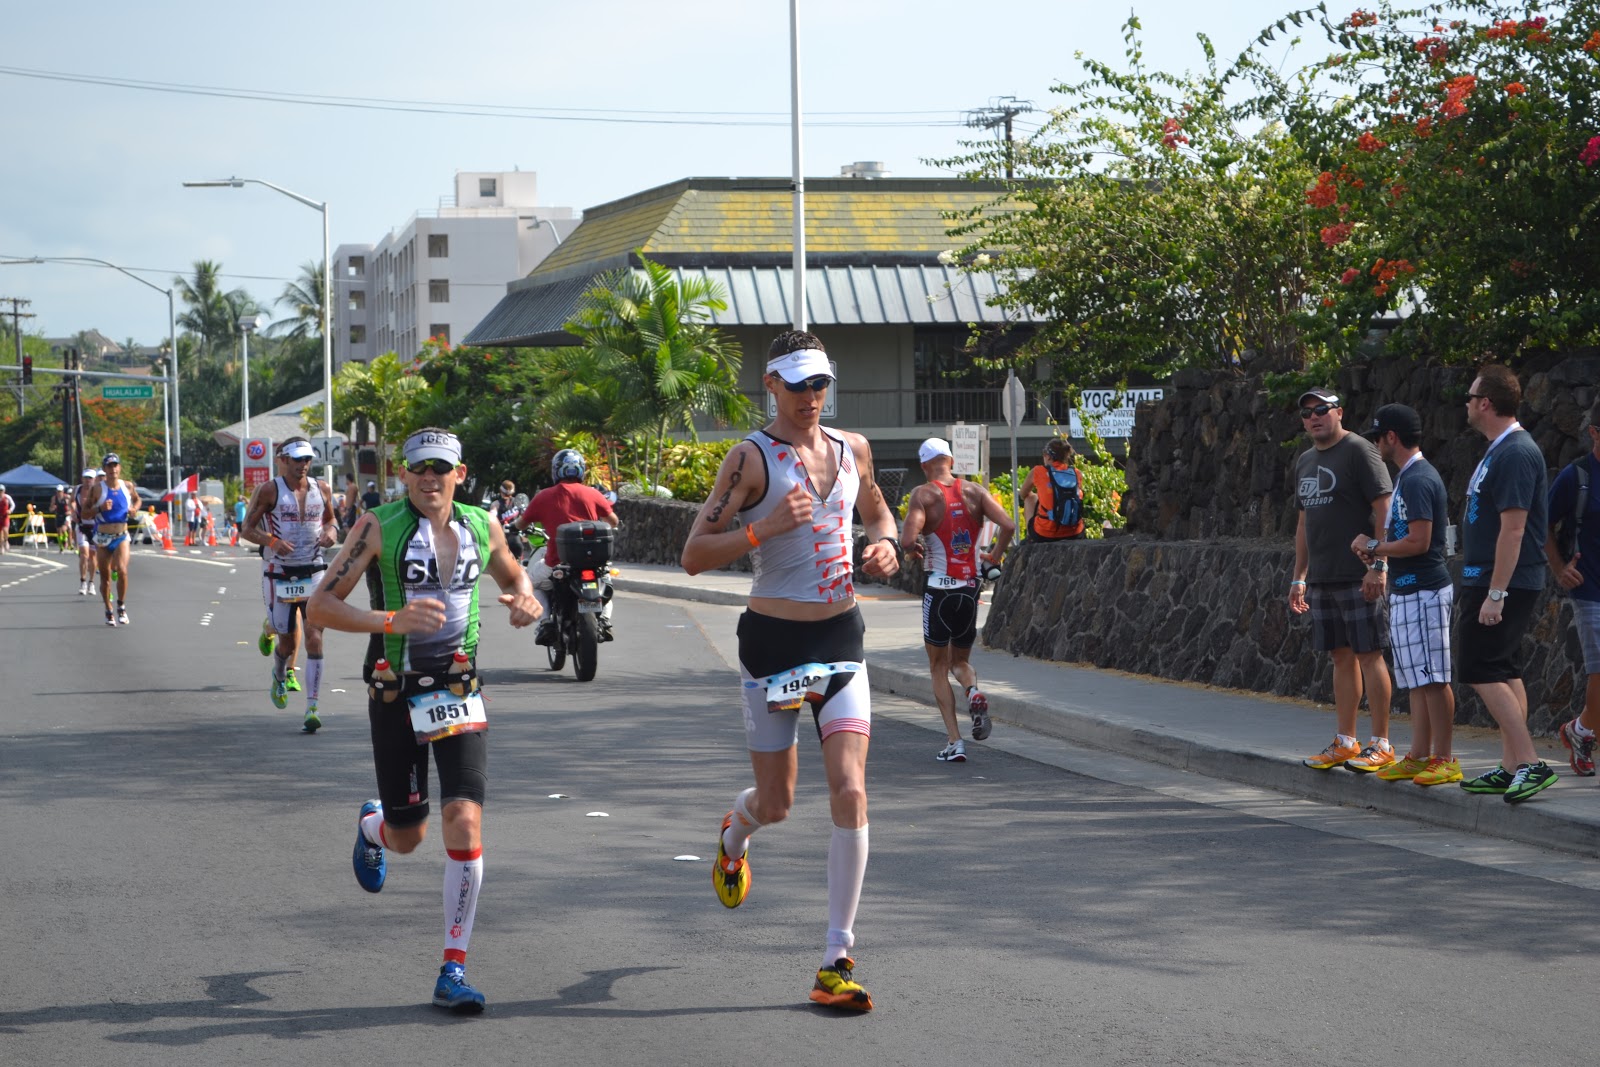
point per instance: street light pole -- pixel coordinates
(799, 181)
(327, 292)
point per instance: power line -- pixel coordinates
(1000, 113)
(431, 107)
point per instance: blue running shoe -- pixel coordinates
(371, 867)
(452, 992)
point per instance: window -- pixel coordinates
(358, 335)
(949, 386)
(438, 246)
(358, 266)
(487, 186)
(439, 331)
(358, 299)
(439, 291)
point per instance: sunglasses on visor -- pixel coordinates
(816, 383)
(433, 466)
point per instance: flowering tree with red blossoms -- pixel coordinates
(1460, 177)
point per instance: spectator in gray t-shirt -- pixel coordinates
(1342, 487)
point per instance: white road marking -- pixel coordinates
(187, 559)
(205, 620)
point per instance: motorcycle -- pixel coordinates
(580, 589)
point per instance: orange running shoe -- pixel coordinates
(836, 987)
(1334, 755)
(1372, 757)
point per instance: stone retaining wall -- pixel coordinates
(1217, 613)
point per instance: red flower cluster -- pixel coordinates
(1425, 126)
(1325, 193)
(1170, 135)
(1385, 270)
(1368, 143)
(1435, 48)
(1337, 234)
(1397, 190)
(1593, 43)
(1349, 276)
(1516, 89)
(1456, 91)
(1359, 18)
(1591, 152)
(1503, 28)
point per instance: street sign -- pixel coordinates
(128, 392)
(329, 450)
(257, 463)
(968, 447)
(1013, 399)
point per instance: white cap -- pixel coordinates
(800, 364)
(932, 448)
(90, 472)
(432, 444)
(298, 450)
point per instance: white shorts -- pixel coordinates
(1419, 636)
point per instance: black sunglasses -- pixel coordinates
(1475, 396)
(436, 466)
(1319, 410)
(816, 383)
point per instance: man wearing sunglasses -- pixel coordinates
(793, 485)
(422, 556)
(1342, 489)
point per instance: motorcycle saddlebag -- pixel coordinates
(584, 544)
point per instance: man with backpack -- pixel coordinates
(1573, 548)
(1053, 504)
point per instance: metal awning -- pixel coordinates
(760, 296)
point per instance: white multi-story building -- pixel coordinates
(441, 272)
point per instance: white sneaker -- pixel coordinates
(954, 752)
(83, 588)
(122, 616)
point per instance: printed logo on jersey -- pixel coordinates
(961, 543)
(1400, 522)
(1473, 488)
(1405, 580)
(423, 571)
(1317, 489)
(1472, 572)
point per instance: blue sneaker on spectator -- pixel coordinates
(371, 867)
(453, 993)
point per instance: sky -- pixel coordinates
(96, 170)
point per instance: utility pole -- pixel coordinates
(997, 116)
(17, 315)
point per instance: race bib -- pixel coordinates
(787, 691)
(442, 714)
(941, 581)
(105, 540)
(291, 590)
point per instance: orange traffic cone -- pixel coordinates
(233, 540)
(211, 536)
(166, 540)
(188, 538)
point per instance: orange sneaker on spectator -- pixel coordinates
(1372, 757)
(1335, 755)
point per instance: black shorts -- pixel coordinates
(402, 764)
(950, 616)
(1491, 653)
(1342, 618)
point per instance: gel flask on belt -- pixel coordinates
(458, 667)
(385, 681)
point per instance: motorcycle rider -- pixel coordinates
(569, 500)
(504, 510)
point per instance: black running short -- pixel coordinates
(402, 764)
(950, 616)
(1492, 653)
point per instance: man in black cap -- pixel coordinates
(1342, 488)
(1420, 595)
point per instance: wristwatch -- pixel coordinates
(1497, 595)
(1372, 544)
(1379, 565)
(895, 541)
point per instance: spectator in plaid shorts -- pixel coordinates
(1572, 548)
(1343, 490)
(1420, 595)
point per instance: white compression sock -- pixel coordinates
(847, 868)
(463, 875)
(372, 828)
(736, 838)
(313, 677)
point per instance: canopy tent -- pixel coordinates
(28, 476)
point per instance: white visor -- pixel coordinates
(90, 472)
(798, 366)
(298, 450)
(433, 444)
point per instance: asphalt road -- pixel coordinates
(177, 884)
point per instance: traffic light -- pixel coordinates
(27, 370)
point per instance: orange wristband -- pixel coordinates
(750, 535)
(388, 623)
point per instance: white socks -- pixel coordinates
(372, 828)
(736, 838)
(463, 875)
(313, 677)
(847, 868)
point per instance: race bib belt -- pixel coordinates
(292, 590)
(440, 714)
(788, 690)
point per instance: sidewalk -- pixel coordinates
(1244, 737)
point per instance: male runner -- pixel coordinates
(83, 528)
(113, 499)
(292, 519)
(794, 484)
(61, 509)
(951, 513)
(421, 556)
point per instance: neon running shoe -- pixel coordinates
(1495, 781)
(452, 992)
(1334, 755)
(1372, 758)
(978, 708)
(279, 693)
(371, 867)
(290, 682)
(731, 879)
(1402, 770)
(265, 641)
(313, 723)
(1529, 779)
(1580, 749)
(1440, 771)
(122, 616)
(836, 987)
(954, 752)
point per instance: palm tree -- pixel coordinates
(383, 392)
(303, 297)
(650, 360)
(212, 315)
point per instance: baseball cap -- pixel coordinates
(432, 444)
(1321, 396)
(931, 448)
(298, 450)
(372, 485)
(1401, 419)
(111, 457)
(800, 364)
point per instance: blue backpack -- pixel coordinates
(1067, 511)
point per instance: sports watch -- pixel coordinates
(895, 541)
(1372, 544)
(1497, 595)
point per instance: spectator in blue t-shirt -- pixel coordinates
(1502, 574)
(1420, 595)
(1573, 549)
